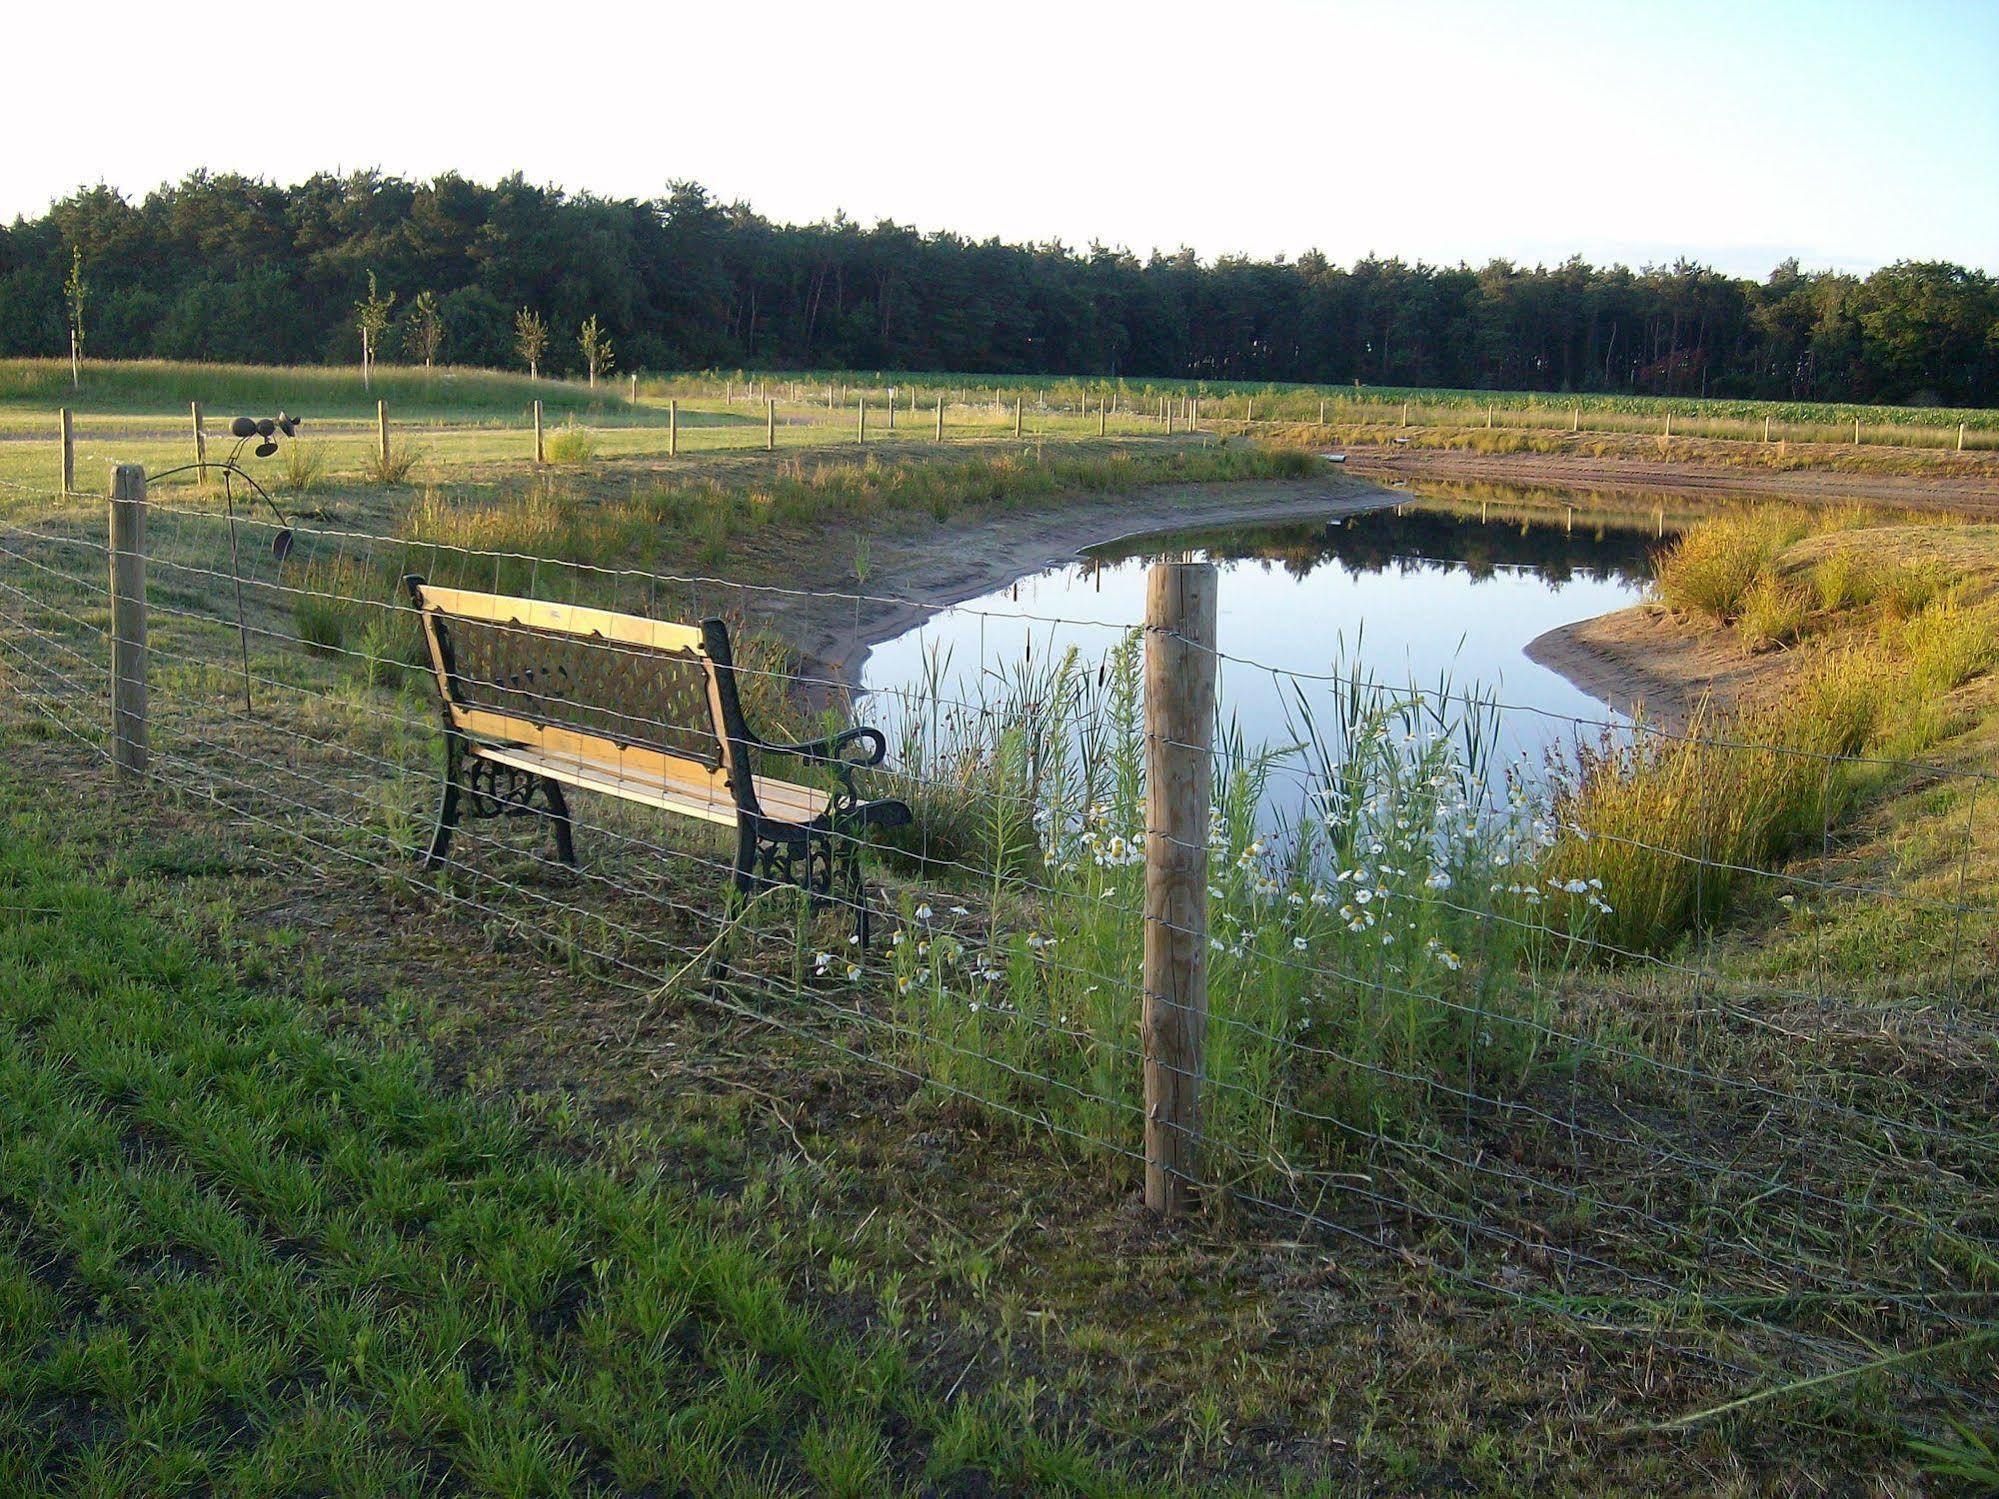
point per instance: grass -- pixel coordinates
(235, 1256)
(1674, 824)
(569, 444)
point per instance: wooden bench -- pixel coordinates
(538, 696)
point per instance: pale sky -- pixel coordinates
(1737, 133)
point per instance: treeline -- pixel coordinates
(232, 268)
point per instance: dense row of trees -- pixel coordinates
(226, 267)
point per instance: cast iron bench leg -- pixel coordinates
(447, 810)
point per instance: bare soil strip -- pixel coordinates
(1977, 494)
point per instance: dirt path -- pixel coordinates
(914, 577)
(1975, 493)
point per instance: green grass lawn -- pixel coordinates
(238, 1257)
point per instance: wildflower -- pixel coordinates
(1299, 943)
(961, 911)
(902, 985)
(821, 961)
(853, 973)
(895, 938)
(923, 912)
(1438, 880)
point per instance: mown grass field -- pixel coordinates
(981, 1280)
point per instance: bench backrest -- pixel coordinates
(635, 682)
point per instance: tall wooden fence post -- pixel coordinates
(1103, 422)
(673, 429)
(1016, 416)
(1960, 437)
(66, 434)
(128, 620)
(861, 420)
(200, 443)
(1856, 431)
(382, 431)
(891, 408)
(940, 416)
(540, 455)
(770, 425)
(1179, 735)
(635, 388)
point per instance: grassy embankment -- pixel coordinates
(237, 1256)
(1883, 625)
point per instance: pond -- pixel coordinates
(1434, 595)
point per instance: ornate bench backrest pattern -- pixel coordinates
(618, 677)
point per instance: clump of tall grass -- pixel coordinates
(1844, 579)
(301, 466)
(336, 602)
(1713, 566)
(1773, 612)
(1945, 644)
(394, 466)
(569, 443)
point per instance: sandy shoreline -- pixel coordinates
(911, 578)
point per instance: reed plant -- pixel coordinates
(1378, 919)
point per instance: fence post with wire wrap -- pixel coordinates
(128, 621)
(1180, 671)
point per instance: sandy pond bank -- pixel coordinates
(911, 578)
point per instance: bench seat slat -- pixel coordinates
(632, 772)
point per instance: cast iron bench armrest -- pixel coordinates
(828, 750)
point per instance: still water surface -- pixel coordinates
(1434, 596)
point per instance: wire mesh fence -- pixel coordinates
(1471, 1021)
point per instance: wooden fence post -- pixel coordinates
(540, 455)
(1016, 416)
(382, 431)
(128, 620)
(1179, 734)
(940, 416)
(1766, 427)
(861, 420)
(673, 429)
(1169, 418)
(1669, 424)
(1488, 416)
(66, 434)
(1575, 418)
(200, 444)
(1193, 411)
(1103, 422)
(1249, 412)
(891, 408)
(635, 388)
(1856, 431)
(770, 425)
(1322, 413)
(1960, 437)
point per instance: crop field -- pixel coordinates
(1632, 1138)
